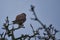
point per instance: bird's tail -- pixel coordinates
(14, 22)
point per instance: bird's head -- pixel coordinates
(24, 14)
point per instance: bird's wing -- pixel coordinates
(21, 18)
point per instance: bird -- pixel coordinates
(20, 19)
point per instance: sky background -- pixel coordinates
(48, 11)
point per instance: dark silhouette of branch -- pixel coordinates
(47, 29)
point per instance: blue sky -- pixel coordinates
(48, 11)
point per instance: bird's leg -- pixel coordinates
(21, 26)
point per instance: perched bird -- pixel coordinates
(20, 19)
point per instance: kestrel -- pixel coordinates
(20, 19)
